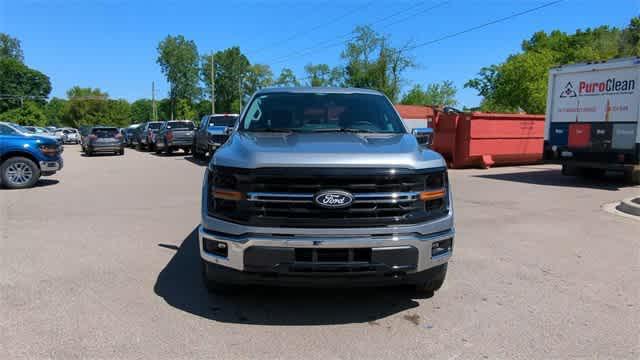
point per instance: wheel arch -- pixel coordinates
(18, 153)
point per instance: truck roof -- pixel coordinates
(612, 62)
(323, 90)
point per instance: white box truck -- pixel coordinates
(593, 117)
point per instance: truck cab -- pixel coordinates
(25, 157)
(325, 187)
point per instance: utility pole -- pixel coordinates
(154, 113)
(213, 86)
(240, 91)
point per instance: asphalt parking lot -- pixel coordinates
(100, 261)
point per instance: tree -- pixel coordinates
(258, 76)
(323, 75)
(19, 82)
(10, 48)
(184, 110)
(142, 110)
(231, 66)
(436, 94)
(373, 63)
(178, 59)
(521, 81)
(286, 79)
(55, 111)
(86, 106)
(29, 114)
(117, 113)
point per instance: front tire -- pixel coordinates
(19, 173)
(434, 283)
(214, 286)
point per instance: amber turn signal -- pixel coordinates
(432, 195)
(228, 195)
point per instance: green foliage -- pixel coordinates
(521, 81)
(178, 59)
(10, 48)
(117, 113)
(55, 111)
(184, 110)
(287, 79)
(258, 76)
(92, 106)
(29, 114)
(231, 67)
(435, 94)
(373, 63)
(323, 75)
(141, 110)
(18, 82)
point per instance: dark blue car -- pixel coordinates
(25, 156)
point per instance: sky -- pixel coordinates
(112, 44)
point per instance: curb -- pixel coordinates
(630, 206)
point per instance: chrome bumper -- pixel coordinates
(51, 166)
(237, 245)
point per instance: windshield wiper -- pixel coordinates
(350, 130)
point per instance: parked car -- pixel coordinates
(354, 197)
(25, 156)
(70, 136)
(130, 135)
(146, 135)
(212, 133)
(174, 135)
(103, 139)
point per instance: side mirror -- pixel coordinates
(424, 136)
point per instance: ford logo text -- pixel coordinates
(333, 199)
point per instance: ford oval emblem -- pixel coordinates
(333, 199)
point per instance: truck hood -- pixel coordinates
(256, 150)
(44, 139)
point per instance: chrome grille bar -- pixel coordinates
(368, 198)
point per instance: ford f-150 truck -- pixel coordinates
(25, 156)
(325, 187)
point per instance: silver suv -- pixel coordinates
(325, 187)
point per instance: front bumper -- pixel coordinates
(51, 167)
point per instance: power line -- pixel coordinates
(317, 27)
(350, 35)
(449, 36)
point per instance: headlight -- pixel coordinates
(49, 149)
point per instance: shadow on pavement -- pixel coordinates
(610, 181)
(46, 182)
(180, 284)
(195, 161)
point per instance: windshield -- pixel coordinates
(228, 121)
(22, 129)
(320, 112)
(188, 125)
(155, 125)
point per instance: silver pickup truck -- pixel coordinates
(325, 187)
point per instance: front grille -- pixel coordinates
(218, 139)
(284, 197)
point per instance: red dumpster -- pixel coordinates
(486, 139)
(416, 116)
